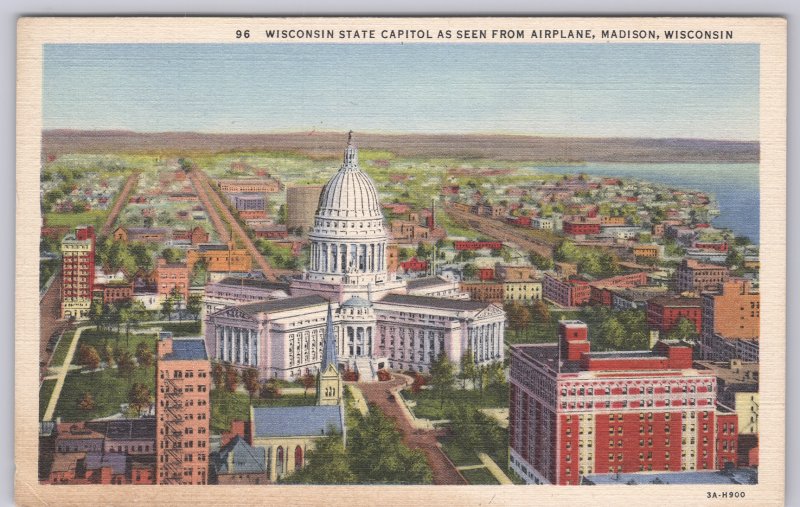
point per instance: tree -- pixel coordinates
(271, 390)
(86, 401)
(612, 333)
(683, 330)
(89, 357)
(167, 307)
(144, 354)
(250, 381)
(327, 463)
(141, 256)
(218, 376)
(442, 377)
(282, 214)
(125, 364)
(171, 255)
(378, 456)
(194, 305)
(419, 382)
(308, 380)
(540, 312)
(139, 397)
(497, 374)
(540, 261)
(469, 271)
(483, 379)
(96, 315)
(735, 259)
(231, 378)
(107, 354)
(467, 368)
(519, 318)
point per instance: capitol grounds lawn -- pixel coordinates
(60, 353)
(178, 329)
(45, 391)
(478, 476)
(429, 406)
(227, 407)
(106, 386)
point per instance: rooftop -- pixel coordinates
(126, 429)
(673, 301)
(297, 421)
(432, 302)
(187, 349)
(428, 281)
(245, 458)
(257, 283)
(279, 305)
(736, 476)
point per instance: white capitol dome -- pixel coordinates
(349, 239)
(350, 194)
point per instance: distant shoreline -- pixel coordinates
(328, 144)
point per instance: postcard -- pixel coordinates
(460, 261)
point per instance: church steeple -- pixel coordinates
(329, 381)
(329, 347)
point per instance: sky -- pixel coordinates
(595, 90)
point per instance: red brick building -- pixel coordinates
(601, 290)
(414, 264)
(477, 245)
(490, 292)
(576, 225)
(183, 413)
(574, 412)
(112, 292)
(77, 272)
(271, 232)
(733, 313)
(693, 276)
(664, 313)
(566, 291)
(169, 276)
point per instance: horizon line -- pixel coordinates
(392, 133)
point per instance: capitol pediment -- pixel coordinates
(490, 311)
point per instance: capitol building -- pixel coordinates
(380, 321)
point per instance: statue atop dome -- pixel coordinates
(350, 154)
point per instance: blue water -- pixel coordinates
(734, 186)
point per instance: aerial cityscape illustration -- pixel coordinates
(440, 306)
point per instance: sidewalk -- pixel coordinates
(62, 375)
(496, 471)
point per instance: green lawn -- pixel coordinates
(61, 350)
(458, 453)
(107, 387)
(44, 396)
(227, 407)
(429, 405)
(478, 476)
(99, 339)
(182, 328)
(94, 217)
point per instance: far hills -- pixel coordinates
(330, 144)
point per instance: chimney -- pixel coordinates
(230, 461)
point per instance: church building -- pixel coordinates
(379, 322)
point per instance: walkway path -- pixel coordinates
(62, 375)
(119, 203)
(216, 207)
(383, 394)
(498, 474)
(358, 399)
